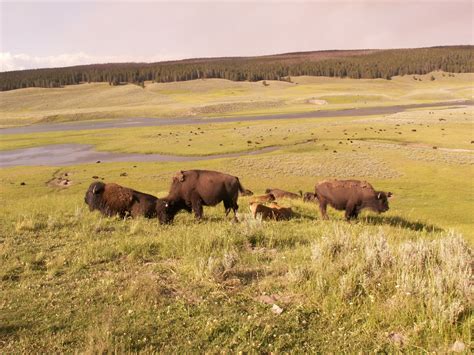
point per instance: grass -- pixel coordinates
(79, 281)
(72, 280)
(449, 128)
(216, 97)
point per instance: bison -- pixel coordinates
(112, 199)
(263, 198)
(283, 194)
(192, 189)
(309, 197)
(274, 211)
(351, 196)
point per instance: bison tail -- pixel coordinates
(241, 188)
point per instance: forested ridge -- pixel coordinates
(351, 63)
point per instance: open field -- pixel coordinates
(217, 97)
(72, 280)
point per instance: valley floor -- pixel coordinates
(72, 280)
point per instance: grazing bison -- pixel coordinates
(309, 197)
(274, 211)
(192, 189)
(283, 194)
(112, 199)
(263, 198)
(351, 196)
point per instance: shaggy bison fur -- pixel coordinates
(112, 199)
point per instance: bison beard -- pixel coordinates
(350, 195)
(192, 189)
(112, 199)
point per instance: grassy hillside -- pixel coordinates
(357, 64)
(218, 97)
(72, 280)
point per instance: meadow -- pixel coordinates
(72, 280)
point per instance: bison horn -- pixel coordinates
(379, 195)
(94, 189)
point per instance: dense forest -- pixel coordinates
(354, 64)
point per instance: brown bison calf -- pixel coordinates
(112, 199)
(351, 196)
(276, 212)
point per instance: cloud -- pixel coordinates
(21, 61)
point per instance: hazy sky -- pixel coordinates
(59, 33)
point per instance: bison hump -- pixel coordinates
(347, 184)
(117, 197)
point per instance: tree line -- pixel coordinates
(368, 64)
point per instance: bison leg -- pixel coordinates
(351, 211)
(197, 207)
(323, 208)
(231, 205)
(227, 207)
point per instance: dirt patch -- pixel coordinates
(60, 180)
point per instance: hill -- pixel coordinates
(353, 64)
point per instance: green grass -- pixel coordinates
(72, 280)
(216, 97)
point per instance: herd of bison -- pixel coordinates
(192, 189)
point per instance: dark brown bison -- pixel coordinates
(192, 189)
(112, 199)
(351, 196)
(309, 197)
(283, 194)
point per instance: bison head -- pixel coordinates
(381, 201)
(162, 212)
(167, 208)
(309, 196)
(93, 197)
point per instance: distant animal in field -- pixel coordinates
(112, 199)
(192, 189)
(350, 195)
(309, 197)
(247, 192)
(283, 194)
(263, 198)
(273, 212)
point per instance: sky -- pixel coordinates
(38, 34)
